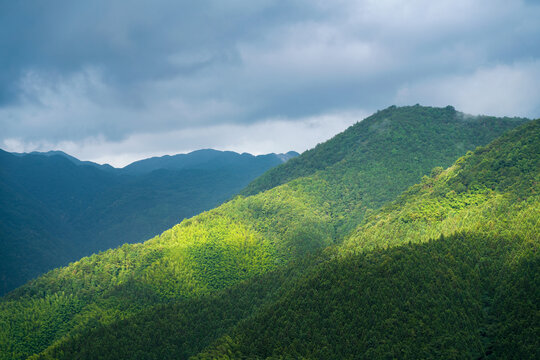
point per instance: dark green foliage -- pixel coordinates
(180, 329)
(442, 299)
(212, 251)
(476, 193)
(514, 325)
(55, 208)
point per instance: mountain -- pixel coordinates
(207, 159)
(56, 209)
(448, 270)
(390, 137)
(178, 293)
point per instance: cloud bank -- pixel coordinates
(113, 81)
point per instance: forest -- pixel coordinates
(413, 234)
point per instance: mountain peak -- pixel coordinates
(390, 134)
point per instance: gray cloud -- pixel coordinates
(73, 72)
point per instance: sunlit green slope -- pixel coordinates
(450, 270)
(245, 238)
(376, 159)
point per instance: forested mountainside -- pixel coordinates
(390, 137)
(468, 289)
(56, 209)
(448, 270)
(210, 274)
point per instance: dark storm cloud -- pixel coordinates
(131, 40)
(131, 47)
(97, 72)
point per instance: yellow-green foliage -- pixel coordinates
(423, 218)
(494, 190)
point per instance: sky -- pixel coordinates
(115, 81)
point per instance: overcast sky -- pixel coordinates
(116, 81)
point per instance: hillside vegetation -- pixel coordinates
(191, 272)
(448, 270)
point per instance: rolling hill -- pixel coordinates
(221, 272)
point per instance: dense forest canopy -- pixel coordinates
(448, 270)
(310, 262)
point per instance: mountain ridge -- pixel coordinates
(325, 154)
(176, 161)
(199, 159)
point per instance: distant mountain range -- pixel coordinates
(204, 159)
(56, 208)
(411, 235)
